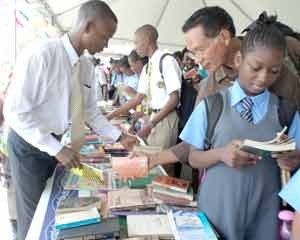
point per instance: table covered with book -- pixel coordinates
(114, 196)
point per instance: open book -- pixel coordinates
(279, 144)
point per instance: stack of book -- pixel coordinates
(76, 218)
(173, 191)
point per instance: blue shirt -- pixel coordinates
(116, 79)
(131, 81)
(259, 109)
(291, 192)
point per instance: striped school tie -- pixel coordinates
(77, 113)
(246, 113)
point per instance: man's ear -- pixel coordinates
(225, 36)
(87, 27)
(238, 59)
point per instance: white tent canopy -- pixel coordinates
(169, 15)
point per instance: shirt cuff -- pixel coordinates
(51, 146)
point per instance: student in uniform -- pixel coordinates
(161, 95)
(239, 193)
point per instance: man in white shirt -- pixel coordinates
(38, 106)
(162, 95)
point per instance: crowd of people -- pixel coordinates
(255, 78)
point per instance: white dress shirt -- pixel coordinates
(38, 101)
(172, 80)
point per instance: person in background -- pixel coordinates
(161, 95)
(101, 80)
(178, 56)
(131, 80)
(116, 78)
(54, 85)
(136, 62)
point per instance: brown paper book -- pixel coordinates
(149, 225)
(172, 183)
(126, 167)
(125, 199)
(75, 204)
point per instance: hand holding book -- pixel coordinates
(235, 157)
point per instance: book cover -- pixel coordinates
(172, 183)
(126, 167)
(149, 225)
(129, 199)
(76, 219)
(190, 225)
(75, 204)
(107, 228)
(173, 193)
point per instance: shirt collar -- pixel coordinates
(238, 94)
(155, 55)
(72, 54)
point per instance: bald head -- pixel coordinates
(148, 31)
(95, 9)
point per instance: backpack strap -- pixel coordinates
(214, 106)
(286, 112)
(161, 63)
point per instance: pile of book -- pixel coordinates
(172, 191)
(77, 211)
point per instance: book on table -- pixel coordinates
(176, 184)
(76, 204)
(76, 219)
(126, 167)
(191, 225)
(129, 199)
(152, 225)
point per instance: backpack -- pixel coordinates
(214, 107)
(187, 97)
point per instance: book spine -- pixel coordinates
(77, 224)
(207, 227)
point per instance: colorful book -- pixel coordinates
(108, 228)
(176, 184)
(75, 204)
(126, 167)
(156, 225)
(191, 225)
(76, 219)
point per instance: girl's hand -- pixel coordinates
(287, 160)
(236, 158)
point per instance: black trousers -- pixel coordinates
(30, 170)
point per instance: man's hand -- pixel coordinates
(236, 158)
(288, 161)
(68, 157)
(128, 141)
(145, 131)
(134, 118)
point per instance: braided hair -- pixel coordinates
(263, 32)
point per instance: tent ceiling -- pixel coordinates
(169, 15)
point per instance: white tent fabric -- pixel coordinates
(169, 15)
